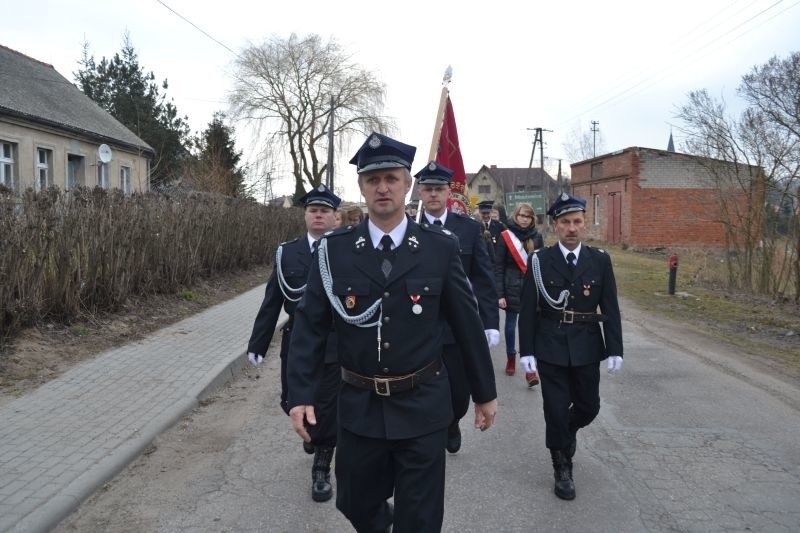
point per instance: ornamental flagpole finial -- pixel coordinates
(448, 75)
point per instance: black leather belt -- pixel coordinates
(388, 385)
(572, 317)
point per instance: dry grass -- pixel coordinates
(757, 325)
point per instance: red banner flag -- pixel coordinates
(448, 154)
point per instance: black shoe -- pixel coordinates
(321, 488)
(453, 438)
(562, 472)
(308, 448)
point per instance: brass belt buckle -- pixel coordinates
(382, 387)
(569, 317)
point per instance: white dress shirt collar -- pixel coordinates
(376, 234)
(432, 218)
(576, 251)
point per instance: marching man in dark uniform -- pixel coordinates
(495, 227)
(434, 190)
(391, 285)
(284, 289)
(563, 288)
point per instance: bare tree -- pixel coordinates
(290, 90)
(753, 162)
(580, 146)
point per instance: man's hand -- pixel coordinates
(614, 364)
(484, 414)
(501, 303)
(528, 363)
(255, 359)
(301, 414)
(492, 337)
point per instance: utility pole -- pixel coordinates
(560, 185)
(538, 139)
(267, 185)
(329, 179)
(595, 129)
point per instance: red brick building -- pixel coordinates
(651, 198)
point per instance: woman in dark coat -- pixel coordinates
(513, 248)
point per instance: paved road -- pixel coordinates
(691, 437)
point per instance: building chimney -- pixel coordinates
(493, 166)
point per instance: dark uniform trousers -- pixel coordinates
(570, 399)
(295, 261)
(568, 355)
(477, 265)
(391, 444)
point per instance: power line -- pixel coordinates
(682, 61)
(195, 26)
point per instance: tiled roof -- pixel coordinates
(35, 91)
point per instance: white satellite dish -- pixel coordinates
(104, 153)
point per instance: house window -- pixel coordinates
(125, 179)
(519, 187)
(484, 189)
(102, 175)
(597, 170)
(596, 209)
(44, 158)
(7, 164)
(75, 171)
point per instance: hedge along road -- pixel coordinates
(690, 437)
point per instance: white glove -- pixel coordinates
(614, 364)
(528, 363)
(492, 337)
(254, 359)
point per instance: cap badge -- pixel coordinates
(432, 166)
(321, 188)
(564, 197)
(374, 142)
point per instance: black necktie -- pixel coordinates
(386, 255)
(437, 222)
(571, 262)
(314, 246)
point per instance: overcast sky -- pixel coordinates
(516, 65)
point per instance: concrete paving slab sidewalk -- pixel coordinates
(61, 442)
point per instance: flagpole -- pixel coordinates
(437, 126)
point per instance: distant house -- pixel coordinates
(281, 201)
(508, 186)
(53, 134)
(651, 198)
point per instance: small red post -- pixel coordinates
(673, 272)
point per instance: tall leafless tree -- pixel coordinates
(763, 235)
(290, 89)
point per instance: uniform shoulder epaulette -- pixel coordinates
(291, 241)
(344, 230)
(595, 248)
(437, 230)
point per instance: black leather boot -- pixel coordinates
(308, 448)
(321, 489)
(562, 471)
(453, 438)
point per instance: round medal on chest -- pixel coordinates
(586, 292)
(416, 309)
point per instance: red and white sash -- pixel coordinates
(516, 250)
